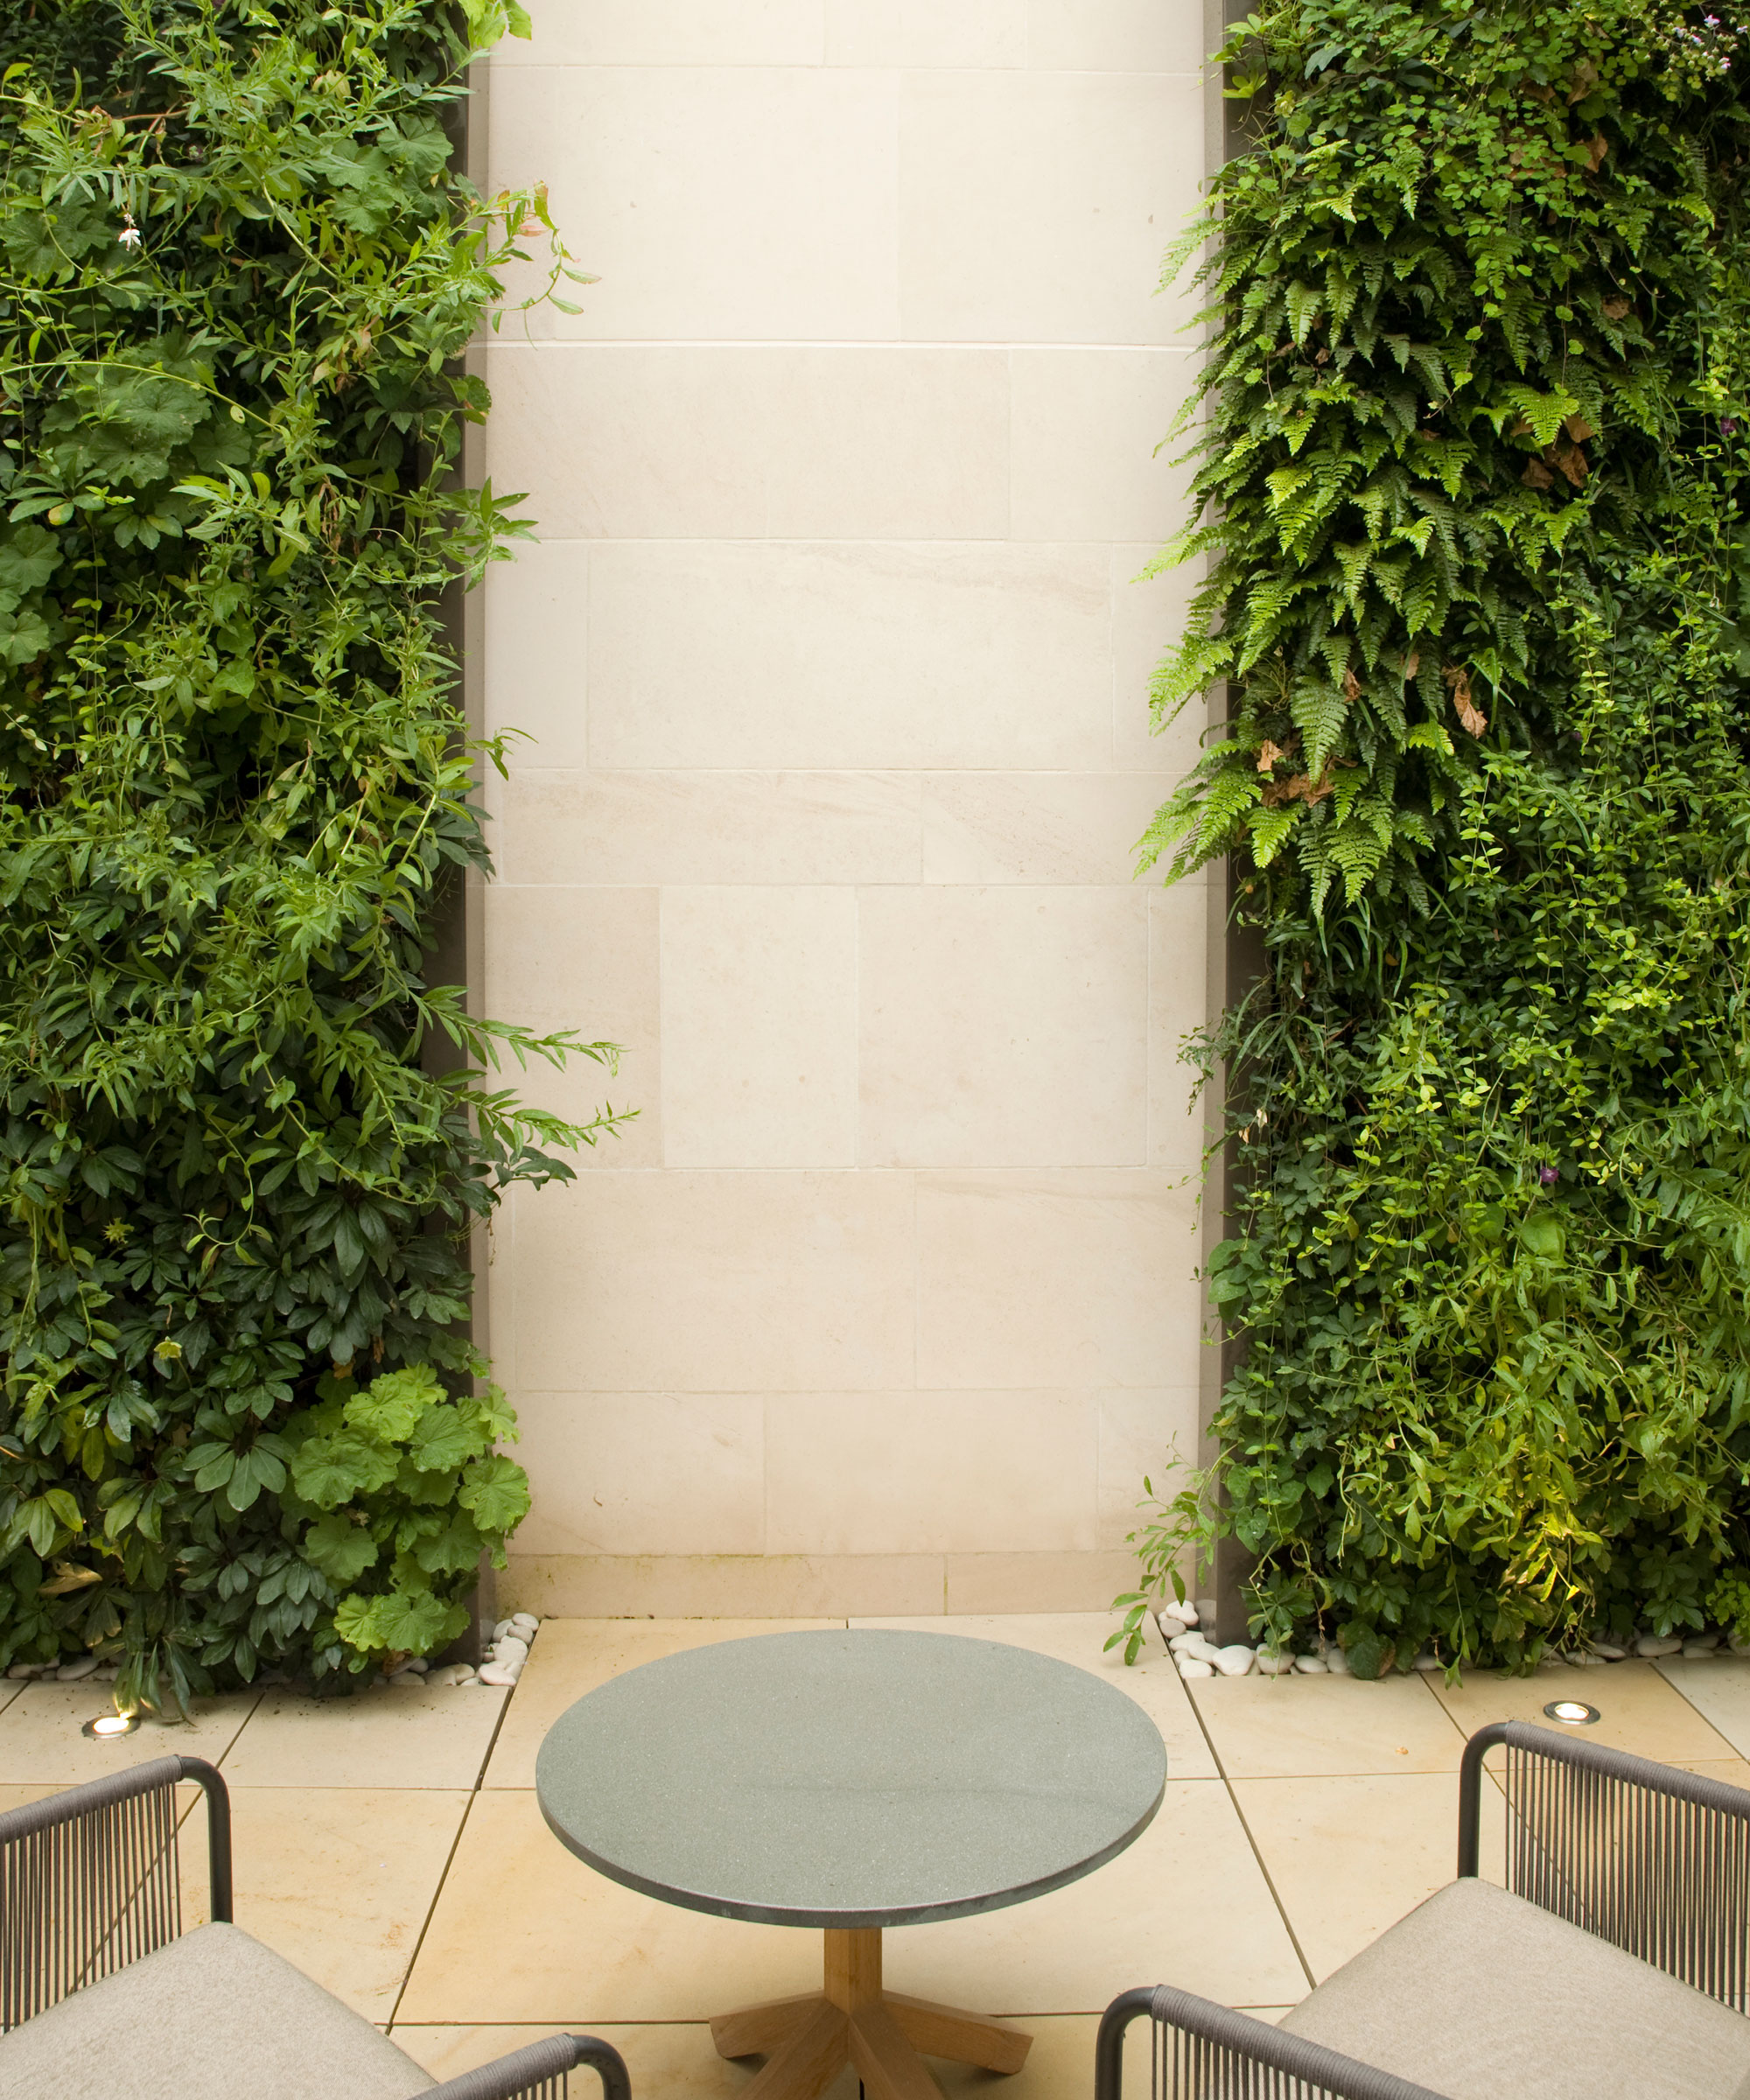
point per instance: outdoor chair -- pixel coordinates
(1613, 1963)
(103, 1992)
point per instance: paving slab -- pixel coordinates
(40, 1738)
(379, 1736)
(339, 1880)
(1298, 1727)
(1640, 1710)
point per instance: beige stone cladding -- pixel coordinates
(835, 673)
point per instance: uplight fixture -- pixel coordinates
(104, 1725)
(1575, 1712)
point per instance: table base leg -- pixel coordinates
(806, 2040)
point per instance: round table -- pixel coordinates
(848, 1782)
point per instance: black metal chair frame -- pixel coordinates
(1654, 1860)
(90, 1882)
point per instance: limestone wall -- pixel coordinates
(836, 677)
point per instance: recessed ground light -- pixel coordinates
(104, 1725)
(1574, 1712)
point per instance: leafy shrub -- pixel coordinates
(1474, 468)
(237, 270)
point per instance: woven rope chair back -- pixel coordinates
(1656, 1861)
(83, 1894)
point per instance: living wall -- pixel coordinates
(1474, 478)
(239, 1420)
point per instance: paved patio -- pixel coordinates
(391, 1846)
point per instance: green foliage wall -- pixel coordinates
(237, 269)
(1474, 481)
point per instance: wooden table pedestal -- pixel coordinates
(808, 2041)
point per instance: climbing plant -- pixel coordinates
(240, 1422)
(1472, 476)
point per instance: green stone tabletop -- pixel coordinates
(851, 1780)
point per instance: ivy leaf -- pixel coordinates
(412, 1623)
(327, 1471)
(442, 1441)
(495, 1491)
(454, 1550)
(392, 1404)
(340, 1548)
(29, 556)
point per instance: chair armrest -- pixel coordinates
(538, 2072)
(92, 1882)
(1654, 1860)
(1208, 2052)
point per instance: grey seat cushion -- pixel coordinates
(213, 2016)
(1482, 1996)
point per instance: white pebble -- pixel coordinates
(510, 1649)
(452, 1673)
(1234, 1662)
(1274, 1666)
(1708, 1641)
(1337, 1661)
(1311, 1666)
(417, 1664)
(1551, 1659)
(408, 1680)
(525, 1624)
(1195, 1666)
(80, 1666)
(501, 1629)
(29, 1669)
(1176, 1642)
(1583, 1658)
(1701, 1651)
(1608, 1651)
(1658, 1644)
(500, 1673)
(1181, 1609)
(1427, 1660)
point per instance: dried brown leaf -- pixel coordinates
(1301, 787)
(1577, 428)
(1537, 475)
(1585, 79)
(1569, 460)
(1267, 755)
(1597, 147)
(1412, 663)
(1467, 709)
(1617, 308)
(1352, 690)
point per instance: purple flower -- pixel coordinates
(1547, 1175)
(1728, 426)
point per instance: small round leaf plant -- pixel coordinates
(240, 1424)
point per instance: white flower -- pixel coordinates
(129, 235)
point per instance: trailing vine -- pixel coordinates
(1472, 483)
(240, 1422)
